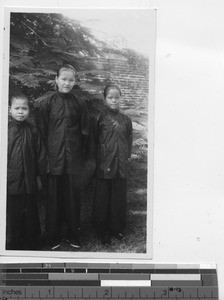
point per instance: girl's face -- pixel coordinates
(65, 81)
(19, 110)
(113, 99)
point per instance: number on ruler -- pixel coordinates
(175, 291)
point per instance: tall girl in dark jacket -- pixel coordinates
(114, 143)
(26, 161)
(62, 120)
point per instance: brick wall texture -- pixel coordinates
(132, 79)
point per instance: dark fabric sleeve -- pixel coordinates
(42, 117)
(88, 124)
(129, 136)
(91, 139)
(84, 118)
(40, 154)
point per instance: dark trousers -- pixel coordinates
(63, 205)
(110, 205)
(22, 222)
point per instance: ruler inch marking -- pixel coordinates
(131, 293)
(32, 282)
(205, 292)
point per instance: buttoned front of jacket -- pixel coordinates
(114, 131)
(63, 122)
(26, 158)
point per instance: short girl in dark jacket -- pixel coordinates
(62, 120)
(114, 143)
(26, 161)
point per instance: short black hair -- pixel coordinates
(109, 87)
(19, 96)
(66, 67)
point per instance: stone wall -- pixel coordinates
(133, 79)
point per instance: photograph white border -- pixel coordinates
(3, 150)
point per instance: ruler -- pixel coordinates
(41, 281)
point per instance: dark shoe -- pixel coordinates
(74, 242)
(106, 239)
(55, 244)
(51, 244)
(46, 243)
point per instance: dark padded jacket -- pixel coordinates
(114, 144)
(26, 158)
(63, 122)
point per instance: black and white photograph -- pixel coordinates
(77, 132)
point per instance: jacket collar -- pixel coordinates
(17, 123)
(64, 95)
(109, 110)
